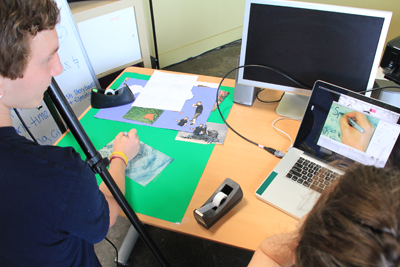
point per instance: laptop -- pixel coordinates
(339, 127)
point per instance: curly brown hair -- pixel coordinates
(20, 21)
(355, 223)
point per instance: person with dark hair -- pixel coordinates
(355, 222)
(52, 210)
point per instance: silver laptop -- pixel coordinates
(339, 127)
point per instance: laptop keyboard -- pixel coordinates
(312, 175)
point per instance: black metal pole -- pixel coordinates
(99, 164)
(154, 33)
(54, 112)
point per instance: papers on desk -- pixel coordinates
(211, 133)
(166, 91)
(165, 118)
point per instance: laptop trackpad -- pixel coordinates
(290, 197)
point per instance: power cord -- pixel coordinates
(379, 88)
(116, 250)
(268, 102)
(276, 128)
(275, 152)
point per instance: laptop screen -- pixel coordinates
(339, 124)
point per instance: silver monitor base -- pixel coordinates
(292, 105)
(127, 246)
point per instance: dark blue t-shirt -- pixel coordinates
(51, 208)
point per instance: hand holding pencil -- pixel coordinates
(356, 130)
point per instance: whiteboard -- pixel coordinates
(76, 82)
(122, 45)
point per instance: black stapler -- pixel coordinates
(108, 98)
(221, 201)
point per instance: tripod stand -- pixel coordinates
(99, 164)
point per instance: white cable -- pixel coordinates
(276, 128)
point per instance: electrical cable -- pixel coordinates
(379, 88)
(275, 152)
(268, 102)
(116, 250)
(276, 128)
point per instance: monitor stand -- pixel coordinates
(292, 105)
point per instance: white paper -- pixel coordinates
(166, 91)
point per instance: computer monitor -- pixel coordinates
(310, 42)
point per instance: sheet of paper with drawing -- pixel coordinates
(195, 110)
(145, 166)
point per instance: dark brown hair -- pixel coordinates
(354, 223)
(20, 20)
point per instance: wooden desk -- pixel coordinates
(251, 221)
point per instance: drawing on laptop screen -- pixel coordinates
(360, 131)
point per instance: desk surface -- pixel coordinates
(252, 220)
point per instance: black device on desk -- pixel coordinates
(391, 60)
(221, 201)
(108, 98)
